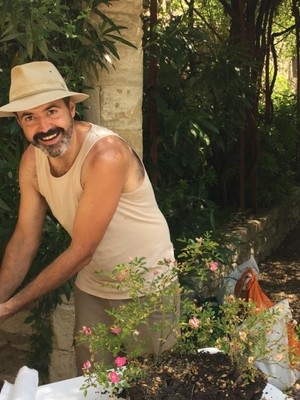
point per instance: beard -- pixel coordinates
(57, 149)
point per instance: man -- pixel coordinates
(97, 188)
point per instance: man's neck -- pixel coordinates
(59, 166)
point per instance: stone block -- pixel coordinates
(239, 232)
(254, 226)
(62, 365)
(63, 325)
(134, 138)
(15, 324)
(126, 102)
(125, 72)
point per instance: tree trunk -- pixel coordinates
(152, 98)
(116, 98)
(251, 26)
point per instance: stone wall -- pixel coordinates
(262, 233)
(259, 235)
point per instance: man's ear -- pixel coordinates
(72, 108)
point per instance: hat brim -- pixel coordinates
(38, 99)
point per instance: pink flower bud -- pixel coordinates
(213, 266)
(120, 361)
(114, 377)
(86, 330)
(115, 329)
(194, 323)
(86, 366)
(123, 275)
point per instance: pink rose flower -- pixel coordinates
(86, 330)
(114, 377)
(120, 361)
(116, 330)
(123, 275)
(86, 366)
(213, 266)
(194, 323)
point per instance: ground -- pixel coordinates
(279, 279)
(280, 273)
(199, 377)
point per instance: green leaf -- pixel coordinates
(4, 206)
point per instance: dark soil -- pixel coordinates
(280, 273)
(200, 377)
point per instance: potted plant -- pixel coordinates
(237, 329)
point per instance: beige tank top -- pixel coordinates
(137, 229)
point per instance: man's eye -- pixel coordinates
(28, 118)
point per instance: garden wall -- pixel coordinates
(261, 234)
(258, 235)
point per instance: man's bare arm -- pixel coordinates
(25, 240)
(105, 177)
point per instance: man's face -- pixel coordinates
(49, 127)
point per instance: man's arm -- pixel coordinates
(25, 240)
(104, 177)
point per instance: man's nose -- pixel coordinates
(43, 125)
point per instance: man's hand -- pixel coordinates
(3, 312)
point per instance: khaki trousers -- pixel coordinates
(90, 310)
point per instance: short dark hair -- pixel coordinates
(67, 101)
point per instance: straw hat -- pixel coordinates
(35, 84)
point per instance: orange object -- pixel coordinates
(248, 288)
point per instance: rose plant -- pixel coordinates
(237, 328)
(123, 335)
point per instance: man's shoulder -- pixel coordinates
(28, 155)
(27, 169)
(103, 140)
(101, 130)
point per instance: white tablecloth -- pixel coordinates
(26, 388)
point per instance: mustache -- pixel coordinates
(41, 135)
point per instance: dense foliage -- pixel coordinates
(78, 40)
(218, 147)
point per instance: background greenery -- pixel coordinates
(76, 40)
(210, 93)
(221, 126)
